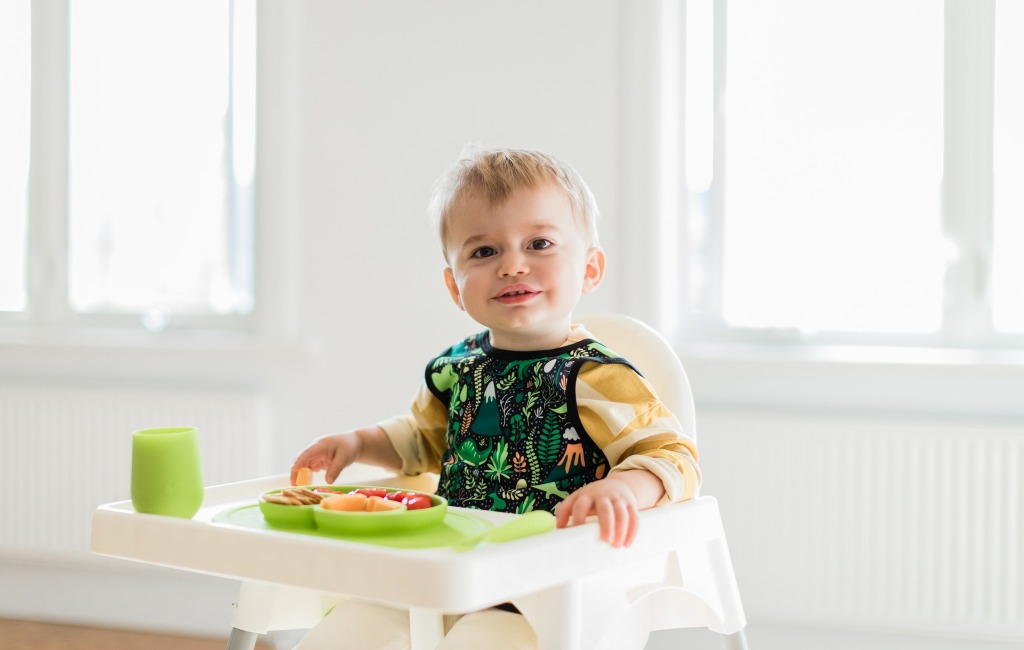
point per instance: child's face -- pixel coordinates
(520, 268)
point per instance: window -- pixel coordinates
(15, 57)
(141, 183)
(852, 171)
(1008, 161)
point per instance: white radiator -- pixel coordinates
(65, 451)
(905, 524)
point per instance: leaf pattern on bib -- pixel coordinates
(514, 444)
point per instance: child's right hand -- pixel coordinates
(332, 452)
(337, 451)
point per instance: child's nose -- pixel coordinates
(513, 263)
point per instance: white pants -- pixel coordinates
(361, 626)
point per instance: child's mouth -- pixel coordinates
(515, 294)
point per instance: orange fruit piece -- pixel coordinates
(304, 476)
(379, 504)
(345, 502)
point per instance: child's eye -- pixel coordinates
(483, 251)
(540, 244)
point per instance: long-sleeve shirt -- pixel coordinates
(514, 431)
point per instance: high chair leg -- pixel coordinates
(736, 641)
(555, 616)
(241, 639)
(426, 628)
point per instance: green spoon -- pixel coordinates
(532, 523)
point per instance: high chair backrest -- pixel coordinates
(652, 355)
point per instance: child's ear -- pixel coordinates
(453, 287)
(593, 273)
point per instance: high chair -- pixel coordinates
(576, 591)
(691, 585)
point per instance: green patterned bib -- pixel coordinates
(515, 441)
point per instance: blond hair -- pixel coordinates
(494, 174)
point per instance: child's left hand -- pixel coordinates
(612, 500)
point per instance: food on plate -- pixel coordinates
(380, 504)
(304, 476)
(412, 500)
(350, 502)
(358, 502)
(370, 492)
(417, 501)
(298, 496)
(350, 509)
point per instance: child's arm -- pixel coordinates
(616, 500)
(652, 458)
(337, 451)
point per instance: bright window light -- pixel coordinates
(833, 154)
(15, 86)
(1008, 234)
(700, 94)
(154, 223)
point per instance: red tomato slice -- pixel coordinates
(370, 492)
(417, 501)
(396, 496)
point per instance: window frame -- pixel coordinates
(48, 309)
(967, 196)
(760, 371)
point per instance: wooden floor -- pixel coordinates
(31, 635)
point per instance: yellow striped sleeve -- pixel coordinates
(620, 411)
(420, 437)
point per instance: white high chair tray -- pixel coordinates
(434, 578)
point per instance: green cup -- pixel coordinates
(167, 478)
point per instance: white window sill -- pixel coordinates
(857, 379)
(220, 357)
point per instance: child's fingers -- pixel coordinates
(630, 523)
(311, 457)
(606, 521)
(617, 513)
(574, 510)
(581, 509)
(634, 525)
(563, 510)
(621, 524)
(619, 521)
(338, 463)
(613, 515)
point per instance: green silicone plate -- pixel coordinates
(282, 516)
(454, 528)
(352, 523)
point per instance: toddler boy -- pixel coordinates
(531, 413)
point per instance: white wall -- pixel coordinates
(383, 98)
